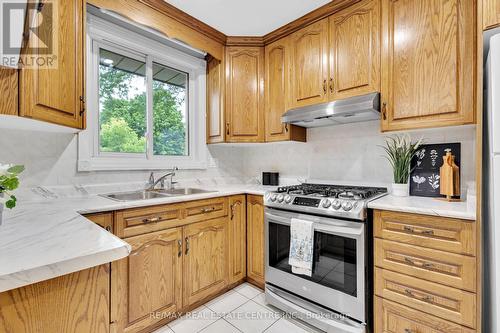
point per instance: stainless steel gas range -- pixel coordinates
(336, 297)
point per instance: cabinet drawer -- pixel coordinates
(391, 317)
(445, 302)
(132, 222)
(450, 269)
(202, 210)
(451, 235)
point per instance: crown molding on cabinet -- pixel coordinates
(244, 41)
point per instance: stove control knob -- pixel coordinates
(272, 197)
(326, 203)
(347, 206)
(336, 204)
(288, 199)
(280, 197)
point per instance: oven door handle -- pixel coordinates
(327, 228)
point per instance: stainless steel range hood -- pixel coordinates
(350, 110)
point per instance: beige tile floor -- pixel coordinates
(242, 309)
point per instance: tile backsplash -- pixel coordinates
(348, 152)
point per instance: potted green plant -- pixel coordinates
(9, 181)
(400, 151)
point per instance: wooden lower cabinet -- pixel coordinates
(237, 238)
(205, 259)
(77, 302)
(104, 220)
(255, 240)
(392, 317)
(147, 285)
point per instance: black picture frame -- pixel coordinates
(424, 178)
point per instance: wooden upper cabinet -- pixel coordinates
(428, 63)
(491, 14)
(255, 239)
(55, 94)
(215, 101)
(147, 282)
(277, 94)
(309, 71)
(237, 238)
(205, 259)
(355, 50)
(245, 94)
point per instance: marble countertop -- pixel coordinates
(425, 206)
(46, 238)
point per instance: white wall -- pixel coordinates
(345, 153)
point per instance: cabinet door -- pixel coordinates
(491, 14)
(255, 239)
(215, 104)
(428, 63)
(55, 93)
(277, 57)
(205, 259)
(245, 94)
(309, 72)
(9, 89)
(237, 238)
(355, 50)
(146, 287)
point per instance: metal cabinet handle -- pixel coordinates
(428, 299)
(324, 86)
(384, 110)
(152, 220)
(331, 84)
(108, 228)
(207, 210)
(232, 211)
(427, 265)
(187, 245)
(409, 261)
(407, 330)
(409, 292)
(286, 127)
(428, 232)
(409, 229)
(227, 128)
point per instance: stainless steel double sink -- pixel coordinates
(153, 194)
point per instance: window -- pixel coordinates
(146, 103)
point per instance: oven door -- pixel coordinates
(338, 277)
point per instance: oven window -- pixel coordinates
(334, 258)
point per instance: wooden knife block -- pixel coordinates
(450, 178)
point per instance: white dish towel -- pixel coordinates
(301, 246)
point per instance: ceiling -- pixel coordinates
(244, 17)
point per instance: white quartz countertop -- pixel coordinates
(425, 206)
(46, 238)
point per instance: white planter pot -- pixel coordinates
(400, 190)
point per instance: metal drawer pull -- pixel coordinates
(407, 330)
(152, 220)
(428, 232)
(409, 292)
(206, 210)
(428, 299)
(187, 245)
(179, 246)
(409, 229)
(409, 261)
(427, 265)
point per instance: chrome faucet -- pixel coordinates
(152, 182)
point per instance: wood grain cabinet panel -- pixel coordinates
(245, 94)
(452, 235)
(8, 91)
(277, 94)
(428, 63)
(104, 220)
(201, 210)
(147, 286)
(255, 239)
(392, 317)
(309, 71)
(429, 297)
(491, 14)
(237, 238)
(205, 259)
(449, 269)
(215, 101)
(76, 302)
(56, 94)
(355, 50)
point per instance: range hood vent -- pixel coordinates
(349, 110)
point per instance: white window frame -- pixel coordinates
(101, 33)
